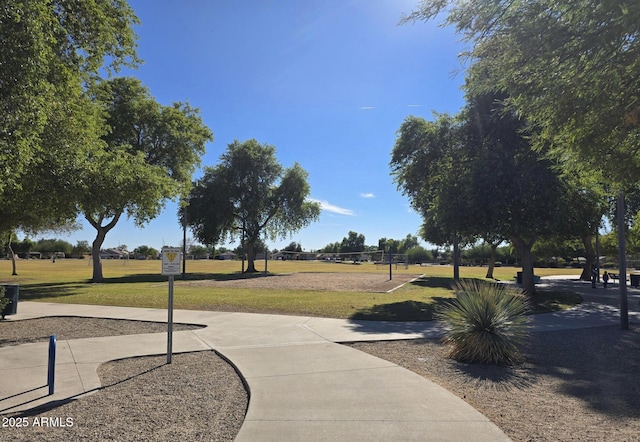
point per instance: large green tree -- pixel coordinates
(353, 242)
(249, 194)
(51, 51)
(476, 176)
(149, 154)
(427, 162)
(572, 69)
(517, 192)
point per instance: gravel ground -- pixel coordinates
(198, 397)
(577, 385)
(74, 327)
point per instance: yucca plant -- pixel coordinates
(486, 323)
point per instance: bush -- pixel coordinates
(418, 255)
(486, 323)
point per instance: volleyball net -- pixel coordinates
(378, 257)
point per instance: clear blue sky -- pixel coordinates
(327, 82)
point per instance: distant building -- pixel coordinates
(113, 254)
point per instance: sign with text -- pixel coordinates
(171, 261)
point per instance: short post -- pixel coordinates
(390, 266)
(170, 322)
(51, 372)
(266, 257)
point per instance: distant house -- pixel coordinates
(227, 256)
(294, 256)
(205, 256)
(113, 254)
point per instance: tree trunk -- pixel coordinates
(97, 243)
(251, 257)
(95, 256)
(590, 256)
(13, 258)
(492, 261)
(526, 259)
(244, 248)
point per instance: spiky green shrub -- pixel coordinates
(486, 323)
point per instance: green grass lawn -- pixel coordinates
(140, 284)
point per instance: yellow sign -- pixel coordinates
(170, 261)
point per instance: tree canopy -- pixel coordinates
(353, 242)
(249, 194)
(571, 68)
(150, 152)
(475, 176)
(51, 51)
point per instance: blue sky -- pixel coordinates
(327, 82)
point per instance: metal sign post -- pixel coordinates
(51, 371)
(170, 321)
(170, 267)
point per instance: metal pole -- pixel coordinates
(243, 252)
(266, 255)
(598, 251)
(51, 372)
(456, 258)
(390, 267)
(170, 321)
(624, 306)
(184, 251)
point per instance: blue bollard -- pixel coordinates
(51, 374)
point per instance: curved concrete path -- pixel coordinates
(303, 385)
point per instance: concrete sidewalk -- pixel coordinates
(303, 385)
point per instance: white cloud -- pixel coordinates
(325, 205)
(367, 195)
(415, 105)
(366, 107)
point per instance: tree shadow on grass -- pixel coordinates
(407, 310)
(49, 290)
(400, 311)
(157, 277)
(33, 292)
(410, 318)
(433, 282)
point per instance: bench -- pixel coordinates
(616, 277)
